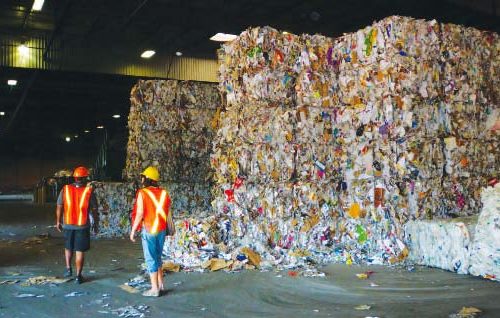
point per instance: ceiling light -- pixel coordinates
(178, 53)
(100, 127)
(12, 82)
(2, 113)
(68, 139)
(75, 136)
(23, 50)
(223, 37)
(116, 116)
(37, 5)
(147, 54)
(86, 131)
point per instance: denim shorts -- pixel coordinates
(152, 245)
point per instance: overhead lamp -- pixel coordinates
(2, 113)
(68, 139)
(178, 53)
(116, 116)
(100, 127)
(223, 37)
(147, 54)
(12, 82)
(86, 131)
(37, 5)
(24, 51)
(75, 136)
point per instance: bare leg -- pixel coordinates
(79, 262)
(154, 281)
(160, 279)
(68, 255)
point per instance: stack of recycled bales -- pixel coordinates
(327, 147)
(170, 128)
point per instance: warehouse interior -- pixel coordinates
(335, 159)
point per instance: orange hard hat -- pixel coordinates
(81, 172)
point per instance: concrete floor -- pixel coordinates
(423, 292)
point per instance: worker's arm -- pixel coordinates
(94, 211)
(59, 212)
(138, 216)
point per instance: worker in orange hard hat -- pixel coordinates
(74, 203)
(152, 210)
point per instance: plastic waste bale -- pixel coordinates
(485, 255)
(444, 244)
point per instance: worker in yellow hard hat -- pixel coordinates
(152, 212)
(73, 219)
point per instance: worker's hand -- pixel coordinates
(59, 226)
(132, 236)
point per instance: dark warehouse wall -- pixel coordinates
(18, 175)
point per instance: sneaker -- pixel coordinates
(79, 279)
(151, 293)
(68, 272)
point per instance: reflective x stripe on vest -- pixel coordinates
(160, 212)
(76, 203)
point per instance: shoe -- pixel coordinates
(151, 293)
(68, 273)
(79, 279)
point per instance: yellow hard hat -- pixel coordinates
(151, 173)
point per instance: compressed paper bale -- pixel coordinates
(267, 57)
(487, 158)
(189, 198)
(444, 244)
(485, 253)
(198, 95)
(270, 125)
(115, 201)
(195, 119)
(264, 162)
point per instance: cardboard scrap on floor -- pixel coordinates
(170, 267)
(42, 280)
(467, 312)
(129, 289)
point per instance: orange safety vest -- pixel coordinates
(76, 204)
(156, 206)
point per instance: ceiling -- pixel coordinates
(46, 106)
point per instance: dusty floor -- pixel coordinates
(400, 293)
